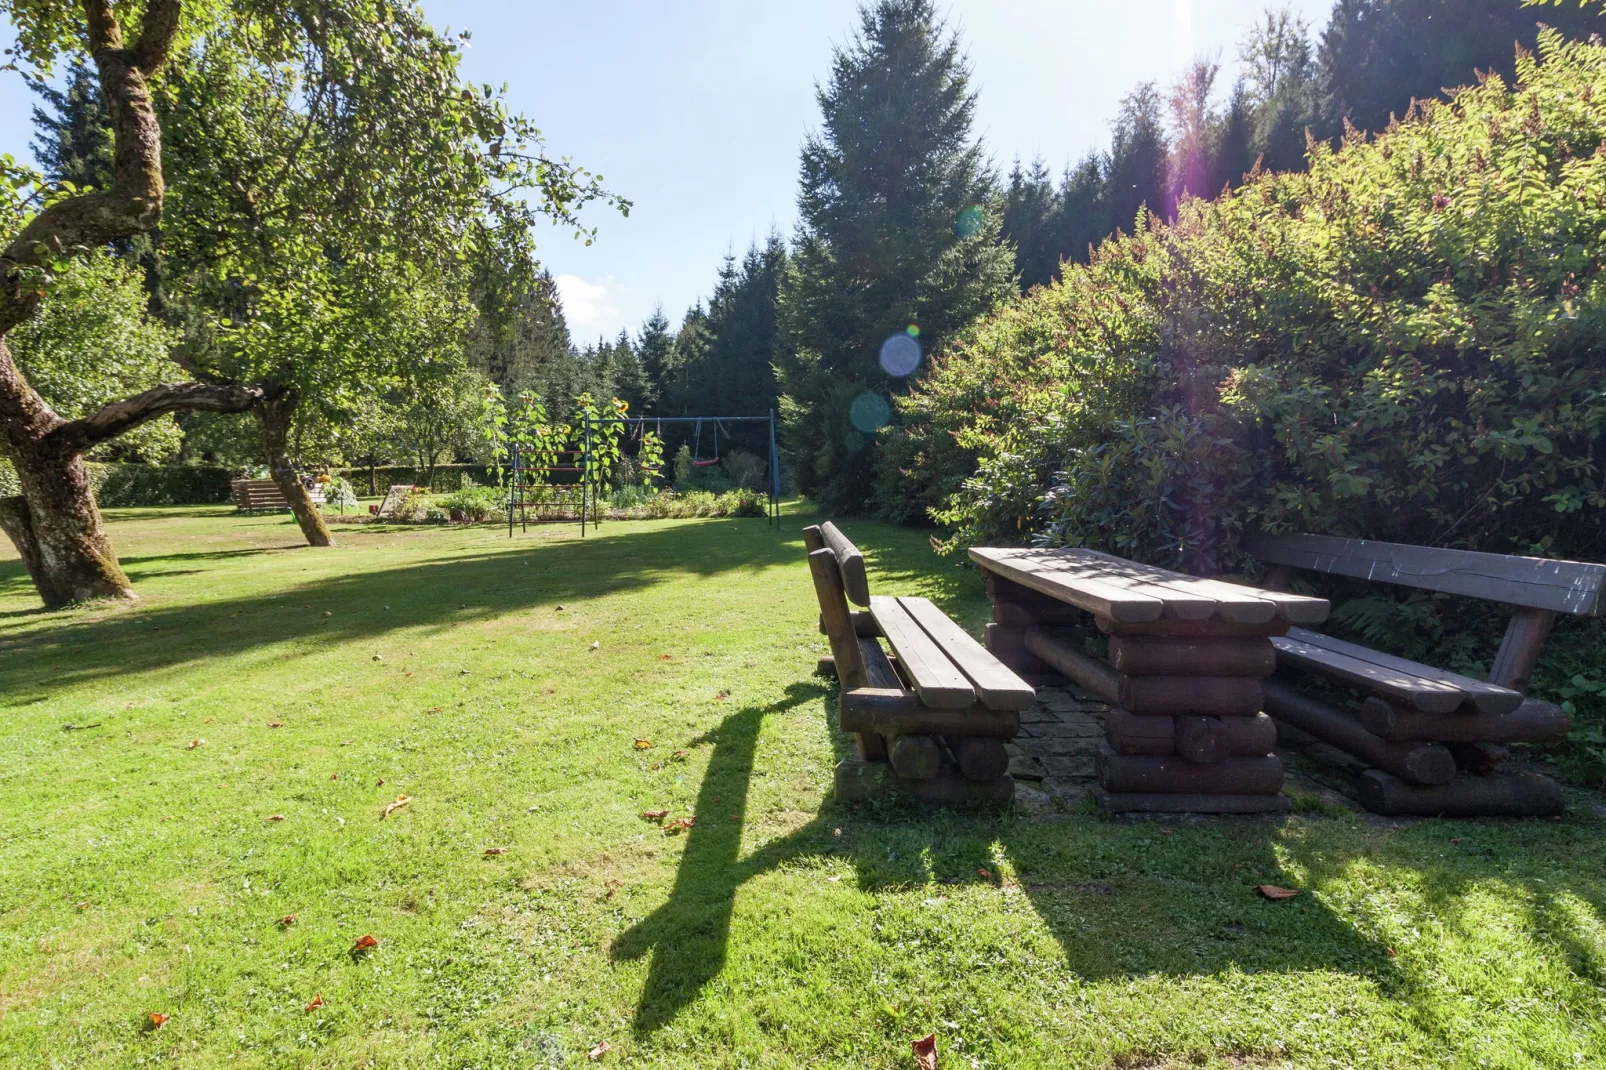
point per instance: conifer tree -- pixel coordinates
(1029, 221)
(898, 231)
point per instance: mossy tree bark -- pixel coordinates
(273, 419)
(55, 522)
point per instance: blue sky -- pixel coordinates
(696, 110)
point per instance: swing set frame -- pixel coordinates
(518, 500)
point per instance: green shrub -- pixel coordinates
(476, 504)
(745, 469)
(1402, 343)
(125, 485)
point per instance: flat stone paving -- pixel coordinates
(1052, 757)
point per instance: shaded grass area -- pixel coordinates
(139, 874)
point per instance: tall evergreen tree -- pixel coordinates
(654, 347)
(1135, 176)
(1030, 207)
(898, 229)
(73, 132)
(1280, 76)
(1377, 55)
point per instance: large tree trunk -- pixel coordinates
(56, 527)
(273, 418)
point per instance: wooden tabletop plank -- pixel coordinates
(1093, 595)
(1079, 565)
(1406, 689)
(1240, 605)
(1487, 697)
(937, 681)
(996, 684)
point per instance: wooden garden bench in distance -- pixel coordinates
(931, 720)
(1429, 741)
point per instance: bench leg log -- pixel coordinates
(1532, 722)
(1157, 803)
(979, 759)
(1502, 795)
(1175, 775)
(1424, 764)
(861, 781)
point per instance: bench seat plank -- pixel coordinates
(1487, 697)
(1406, 689)
(937, 681)
(996, 685)
(1030, 569)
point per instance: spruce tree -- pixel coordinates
(1135, 176)
(654, 348)
(899, 230)
(1030, 206)
(73, 140)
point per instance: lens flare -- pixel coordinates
(900, 355)
(970, 221)
(870, 412)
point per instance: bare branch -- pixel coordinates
(123, 416)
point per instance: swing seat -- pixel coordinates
(705, 464)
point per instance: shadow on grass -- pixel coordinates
(436, 593)
(1122, 899)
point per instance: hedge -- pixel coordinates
(123, 485)
(448, 477)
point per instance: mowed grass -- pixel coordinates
(139, 874)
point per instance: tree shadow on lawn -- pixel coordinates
(1123, 899)
(440, 593)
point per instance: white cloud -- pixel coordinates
(588, 306)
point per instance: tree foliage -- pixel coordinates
(899, 230)
(1402, 343)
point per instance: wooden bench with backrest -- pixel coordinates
(264, 496)
(932, 718)
(395, 494)
(1434, 739)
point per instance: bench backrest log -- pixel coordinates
(1537, 587)
(827, 549)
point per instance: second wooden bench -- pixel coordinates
(931, 720)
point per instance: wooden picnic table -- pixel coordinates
(1183, 672)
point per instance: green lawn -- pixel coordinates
(140, 875)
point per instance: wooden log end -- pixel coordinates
(826, 667)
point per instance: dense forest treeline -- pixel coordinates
(918, 242)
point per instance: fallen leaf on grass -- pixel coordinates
(347, 742)
(654, 815)
(275, 724)
(1272, 891)
(390, 808)
(1390, 952)
(195, 743)
(434, 709)
(379, 657)
(721, 696)
(612, 886)
(364, 944)
(287, 921)
(317, 1001)
(663, 657)
(1455, 839)
(681, 754)
(379, 783)
(643, 744)
(492, 852)
(984, 873)
(602, 1048)
(275, 817)
(678, 825)
(596, 646)
(84, 905)
(154, 1021)
(334, 776)
(925, 1050)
